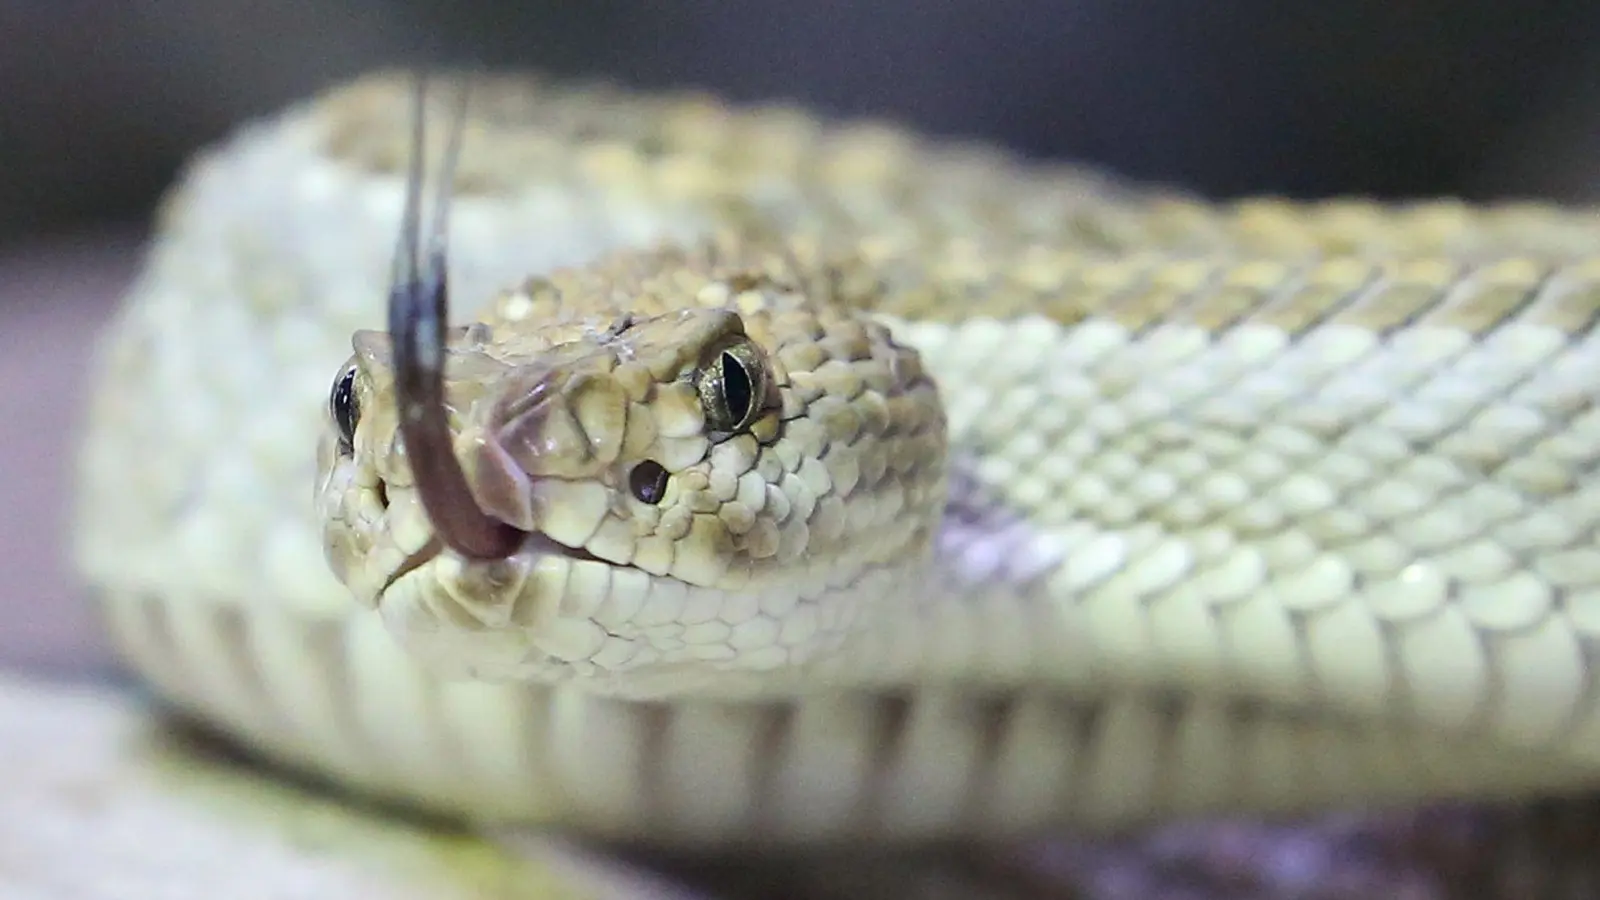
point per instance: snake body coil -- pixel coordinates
(874, 487)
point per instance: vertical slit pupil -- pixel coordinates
(344, 406)
(735, 387)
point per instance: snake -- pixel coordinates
(716, 475)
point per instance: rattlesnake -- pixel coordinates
(1039, 498)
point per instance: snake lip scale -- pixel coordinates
(872, 487)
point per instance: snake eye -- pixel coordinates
(733, 386)
(648, 481)
(346, 410)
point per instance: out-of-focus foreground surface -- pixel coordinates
(1477, 98)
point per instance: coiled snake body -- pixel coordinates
(872, 486)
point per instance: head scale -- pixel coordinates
(671, 464)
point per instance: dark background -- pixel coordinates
(101, 101)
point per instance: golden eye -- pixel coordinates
(346, 410)
(733, 386)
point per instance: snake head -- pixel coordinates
(641, 475)
(710, 472)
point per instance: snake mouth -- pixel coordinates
(413, 562)
(534, 543)
(545, 545)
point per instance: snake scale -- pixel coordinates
(864, 485)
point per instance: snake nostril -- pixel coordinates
(648, 481)
(383, 495)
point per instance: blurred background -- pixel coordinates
(102, 102)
